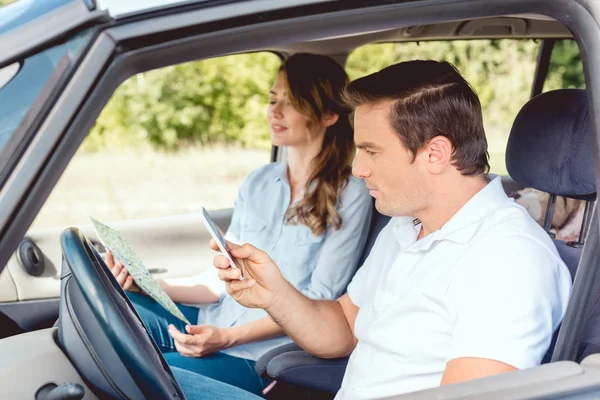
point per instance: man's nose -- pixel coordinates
(359, 169)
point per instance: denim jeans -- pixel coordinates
(198, 387)
(220, 367)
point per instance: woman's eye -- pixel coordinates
(271, 102)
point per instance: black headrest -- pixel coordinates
(550, 145)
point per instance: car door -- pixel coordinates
(153, 197)
(170, 239)
(42, 60)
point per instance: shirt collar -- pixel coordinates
(406, 230)
(280, 172)
(461, 227)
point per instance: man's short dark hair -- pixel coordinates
(429, 99)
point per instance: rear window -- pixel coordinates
(501, 72)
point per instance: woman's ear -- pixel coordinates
(329, 119)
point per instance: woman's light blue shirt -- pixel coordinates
(319, 266)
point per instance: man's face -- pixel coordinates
(394, 180)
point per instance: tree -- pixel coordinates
(223, 100)
(219, 100)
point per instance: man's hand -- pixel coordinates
(262, 282)
(121, 274)
(201, 340)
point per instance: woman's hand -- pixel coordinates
(201, 340)
(262, 283)
(121, 274)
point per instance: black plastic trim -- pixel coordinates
(32, 314)
(542, 67)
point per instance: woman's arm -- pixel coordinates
(180, 290)
(189, 292)
(201, 340)
(261, 329)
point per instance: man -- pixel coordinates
(461, 284)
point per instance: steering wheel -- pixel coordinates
(101, 332)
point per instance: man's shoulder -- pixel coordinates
(509, 242)
(511, 222)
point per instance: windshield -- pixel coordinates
(18, 94)
(6, 2)
(23, 11)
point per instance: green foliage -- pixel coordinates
(221, 100)
(500, 71)
(566, 67)
(224, 100)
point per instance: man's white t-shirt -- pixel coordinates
(488, 284)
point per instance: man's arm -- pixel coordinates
(467, 368)
(496, 331)
(324, 328)
(321, 327)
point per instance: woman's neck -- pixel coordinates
(300, 159)
(299, 163)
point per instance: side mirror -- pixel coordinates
(8, 73)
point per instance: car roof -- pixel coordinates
(523, 26)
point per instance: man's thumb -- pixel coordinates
(247, 251)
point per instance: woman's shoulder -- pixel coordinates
(265, 173)
(355, 189)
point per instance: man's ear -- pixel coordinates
(439, 152)
(329, 119)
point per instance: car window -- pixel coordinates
(168, 142)
(500, 71)
(6, 2)
(23, 11)
(18, 94)
(566, 67)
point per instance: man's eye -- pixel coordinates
(368, 152)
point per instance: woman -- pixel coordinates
(309, 213)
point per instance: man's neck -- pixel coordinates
(447, 200)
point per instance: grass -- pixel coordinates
(113, 186)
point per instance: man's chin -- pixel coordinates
(390, 211)
(382, 209)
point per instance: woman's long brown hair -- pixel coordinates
(315, 84)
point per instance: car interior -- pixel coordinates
(57, 296)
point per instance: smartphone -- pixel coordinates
(219, 239)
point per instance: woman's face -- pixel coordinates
(288, 127)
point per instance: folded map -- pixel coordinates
(122, 252)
